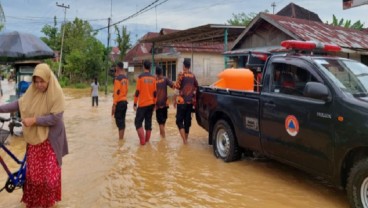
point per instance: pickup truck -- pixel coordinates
(311, 112)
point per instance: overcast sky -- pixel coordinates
(31, 15)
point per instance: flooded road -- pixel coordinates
(102, 171)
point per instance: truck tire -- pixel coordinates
(224, 143)
(357, 187)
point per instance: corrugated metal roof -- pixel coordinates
(301, 29)
(214, 33)
(312, 30)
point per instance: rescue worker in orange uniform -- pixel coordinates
(186, 85)
(162, 104)
(144, 103)
(120, 103)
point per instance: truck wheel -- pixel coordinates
(357, 187)
(224, 143)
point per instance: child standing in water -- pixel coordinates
(94, 92)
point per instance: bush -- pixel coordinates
(64, 81)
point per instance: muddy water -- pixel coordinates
(102, 171)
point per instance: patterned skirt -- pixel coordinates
(42, 187)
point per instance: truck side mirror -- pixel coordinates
(316, 90)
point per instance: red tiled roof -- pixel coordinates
(143, 49)
(312, 30)
(140, 49)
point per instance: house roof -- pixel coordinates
(176, 43)
(301, 29)
(296, 11)
(140, 49)
(213, 33)
(189, 47)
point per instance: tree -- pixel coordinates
(346, 23)
(83, 54)
(123, 41)
(242, 19)
(53, 38)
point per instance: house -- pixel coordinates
(171, 56)
(203, 45)
(266, 31)
(138, 53)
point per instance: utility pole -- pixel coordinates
(108, 52)
(273, 7)
(62, 38)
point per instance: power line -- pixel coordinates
(145, 9)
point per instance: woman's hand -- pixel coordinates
(29, 121)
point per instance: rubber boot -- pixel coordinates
(182, 134)
(148, 135)
(121, 133)
(162, 131)
(140, 132)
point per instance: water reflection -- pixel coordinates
(102, 171)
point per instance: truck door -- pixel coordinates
(295, 129)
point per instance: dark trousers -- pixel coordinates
(184, 116)
(144, 113)
(120, 112)
(161, 115)
(94, 100)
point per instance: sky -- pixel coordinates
(31, 15)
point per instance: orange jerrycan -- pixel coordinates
(235, 79)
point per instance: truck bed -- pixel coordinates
(239, 108)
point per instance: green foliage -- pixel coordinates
(64, 81)
(346, 23)
(242, 19)
(53, 37)
(83, 55)
(123, 41)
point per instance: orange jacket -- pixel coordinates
(121, 83)
(145, 93)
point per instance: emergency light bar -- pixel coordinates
(309, 45)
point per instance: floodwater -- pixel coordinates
(103, 171)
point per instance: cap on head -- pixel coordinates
(186, 63)
(147, 64)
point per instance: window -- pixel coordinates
(290, 79)
(169, 69)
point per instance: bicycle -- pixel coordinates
(16, 179)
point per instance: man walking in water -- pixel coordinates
(186, 85)
(161, 104)
(120, 103)
(144, 103)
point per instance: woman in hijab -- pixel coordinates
(41, 109)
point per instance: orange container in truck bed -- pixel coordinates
(235, 79)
